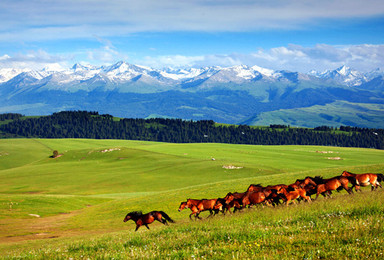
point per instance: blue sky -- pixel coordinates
(298, 35)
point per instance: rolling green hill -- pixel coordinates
(73, 205)
(332, 114)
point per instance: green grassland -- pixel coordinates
(73, 206)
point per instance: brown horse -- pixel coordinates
(233, 196)
(365, 179)
(222, 206)
(145, 219)
(253, 198)
(258, 187)
(293, 195)
(198, 206)
(335, 183)
(303, 182)
(255, 187)
(208, 204)
(193, 208)
(270, 192)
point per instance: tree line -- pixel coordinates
(84, 124)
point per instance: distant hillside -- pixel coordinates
(333, 114)
(228, 95)
(82, 124)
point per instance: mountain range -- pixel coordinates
(237, 95)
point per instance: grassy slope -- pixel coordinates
(86, 192)
(334, 114)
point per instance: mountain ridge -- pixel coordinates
(225, 94)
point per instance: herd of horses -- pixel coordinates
(271, 195)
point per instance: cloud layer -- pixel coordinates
(39, 33)
(67, 19)
(293, 57)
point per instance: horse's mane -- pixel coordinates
(257, 185)
(135, 213)
(317, 179)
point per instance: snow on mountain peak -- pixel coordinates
(82, 67)
(54, 67)
(9, 73)
(122, 72)
(266, 72)
(343, 70)
(343, 75)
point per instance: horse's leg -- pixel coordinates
(146, 225)
(137, 227)
(328, 194)
(373, 185)
(163, 221)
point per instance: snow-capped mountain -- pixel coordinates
(123, 72)
(9, 73)
(343, 75)
(225, 94)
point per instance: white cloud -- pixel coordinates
(35, 60)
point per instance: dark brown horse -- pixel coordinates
(145, 219)
(365, 179)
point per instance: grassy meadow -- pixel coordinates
(73, 206)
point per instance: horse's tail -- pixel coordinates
(166, 216)
(380, 177)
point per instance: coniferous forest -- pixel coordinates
(83, 124)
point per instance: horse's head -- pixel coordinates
(183, 205)
(218, 205)
(345, 173)
(280, 190)
(308, 180)
(254, 187)
(127, 217)
(299, 181)
(229, 197)
(132, 215)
